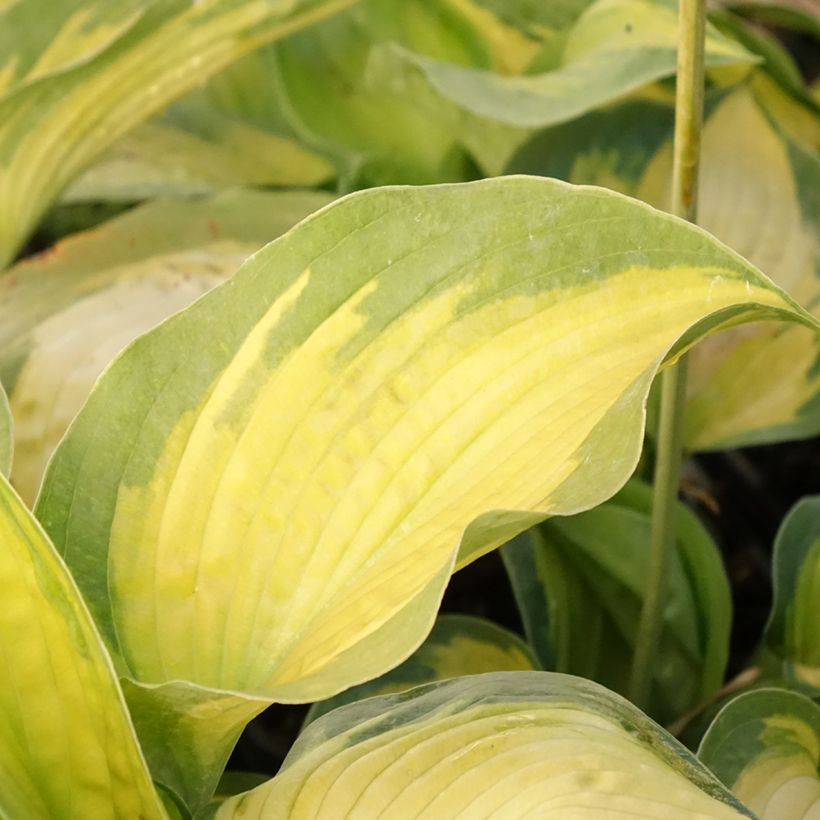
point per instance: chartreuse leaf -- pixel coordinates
(457, 645)
(614, 47)
(6, 434)
(514, 744)
(264, 497)
(758, 194)
(67, 747)
(793, 630)
(77, 79)
(765, 746)
(580, 582)
(68, 312)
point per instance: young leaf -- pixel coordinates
(457, 645)
(67, 747)
(68, 312)
(758, 194)
(614, 47)
(267, 493)
(513, 744)
(77, 79)
(6, 434)
(580, 582)
(793, 630)
(765, 746)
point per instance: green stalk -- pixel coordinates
(688, 122)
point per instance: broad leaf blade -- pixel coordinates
(507, 744)
(765, 746)
(163, 158)
(98, 80)
(114, 283)
(67, 748)
(615, 47)
(406, 380)
(758, 194)
(580, 583)
(458, 645)
(793, 630)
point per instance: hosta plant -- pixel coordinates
(247, 436)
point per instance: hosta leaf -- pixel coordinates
(266, 494)
(765, 746)
(457, 645)
(67, 748)
(757, 194)
(580, 583)
(793, 631)
(613, 48)
(78, 79)
(161, 158)
(6, 434)
(514, 744)
(67, 312)
(375, 126)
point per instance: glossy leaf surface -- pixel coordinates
(69, 311)
(580, 583)
(74, 77)
(296, 462)
(500, 745)
(765, 746)
(67, 748)
(457, 645)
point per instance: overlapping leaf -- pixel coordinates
(458, 645)
(378, 128)
(758, 194)
(164, 158)
(793, 630)
(265, 496)
(77, 76)
(68, 312)
(614, 47)
(67, 747)
(514, 744)
(765, 746)
(580, 582)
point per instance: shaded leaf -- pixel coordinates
(295, 463)
(580, 584)
(85, 74)
(765, 746)
(793, 630)
(509, 744)
(69, 311)
(457, 645)
(67, 748)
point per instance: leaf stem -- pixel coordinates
(688, 123)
